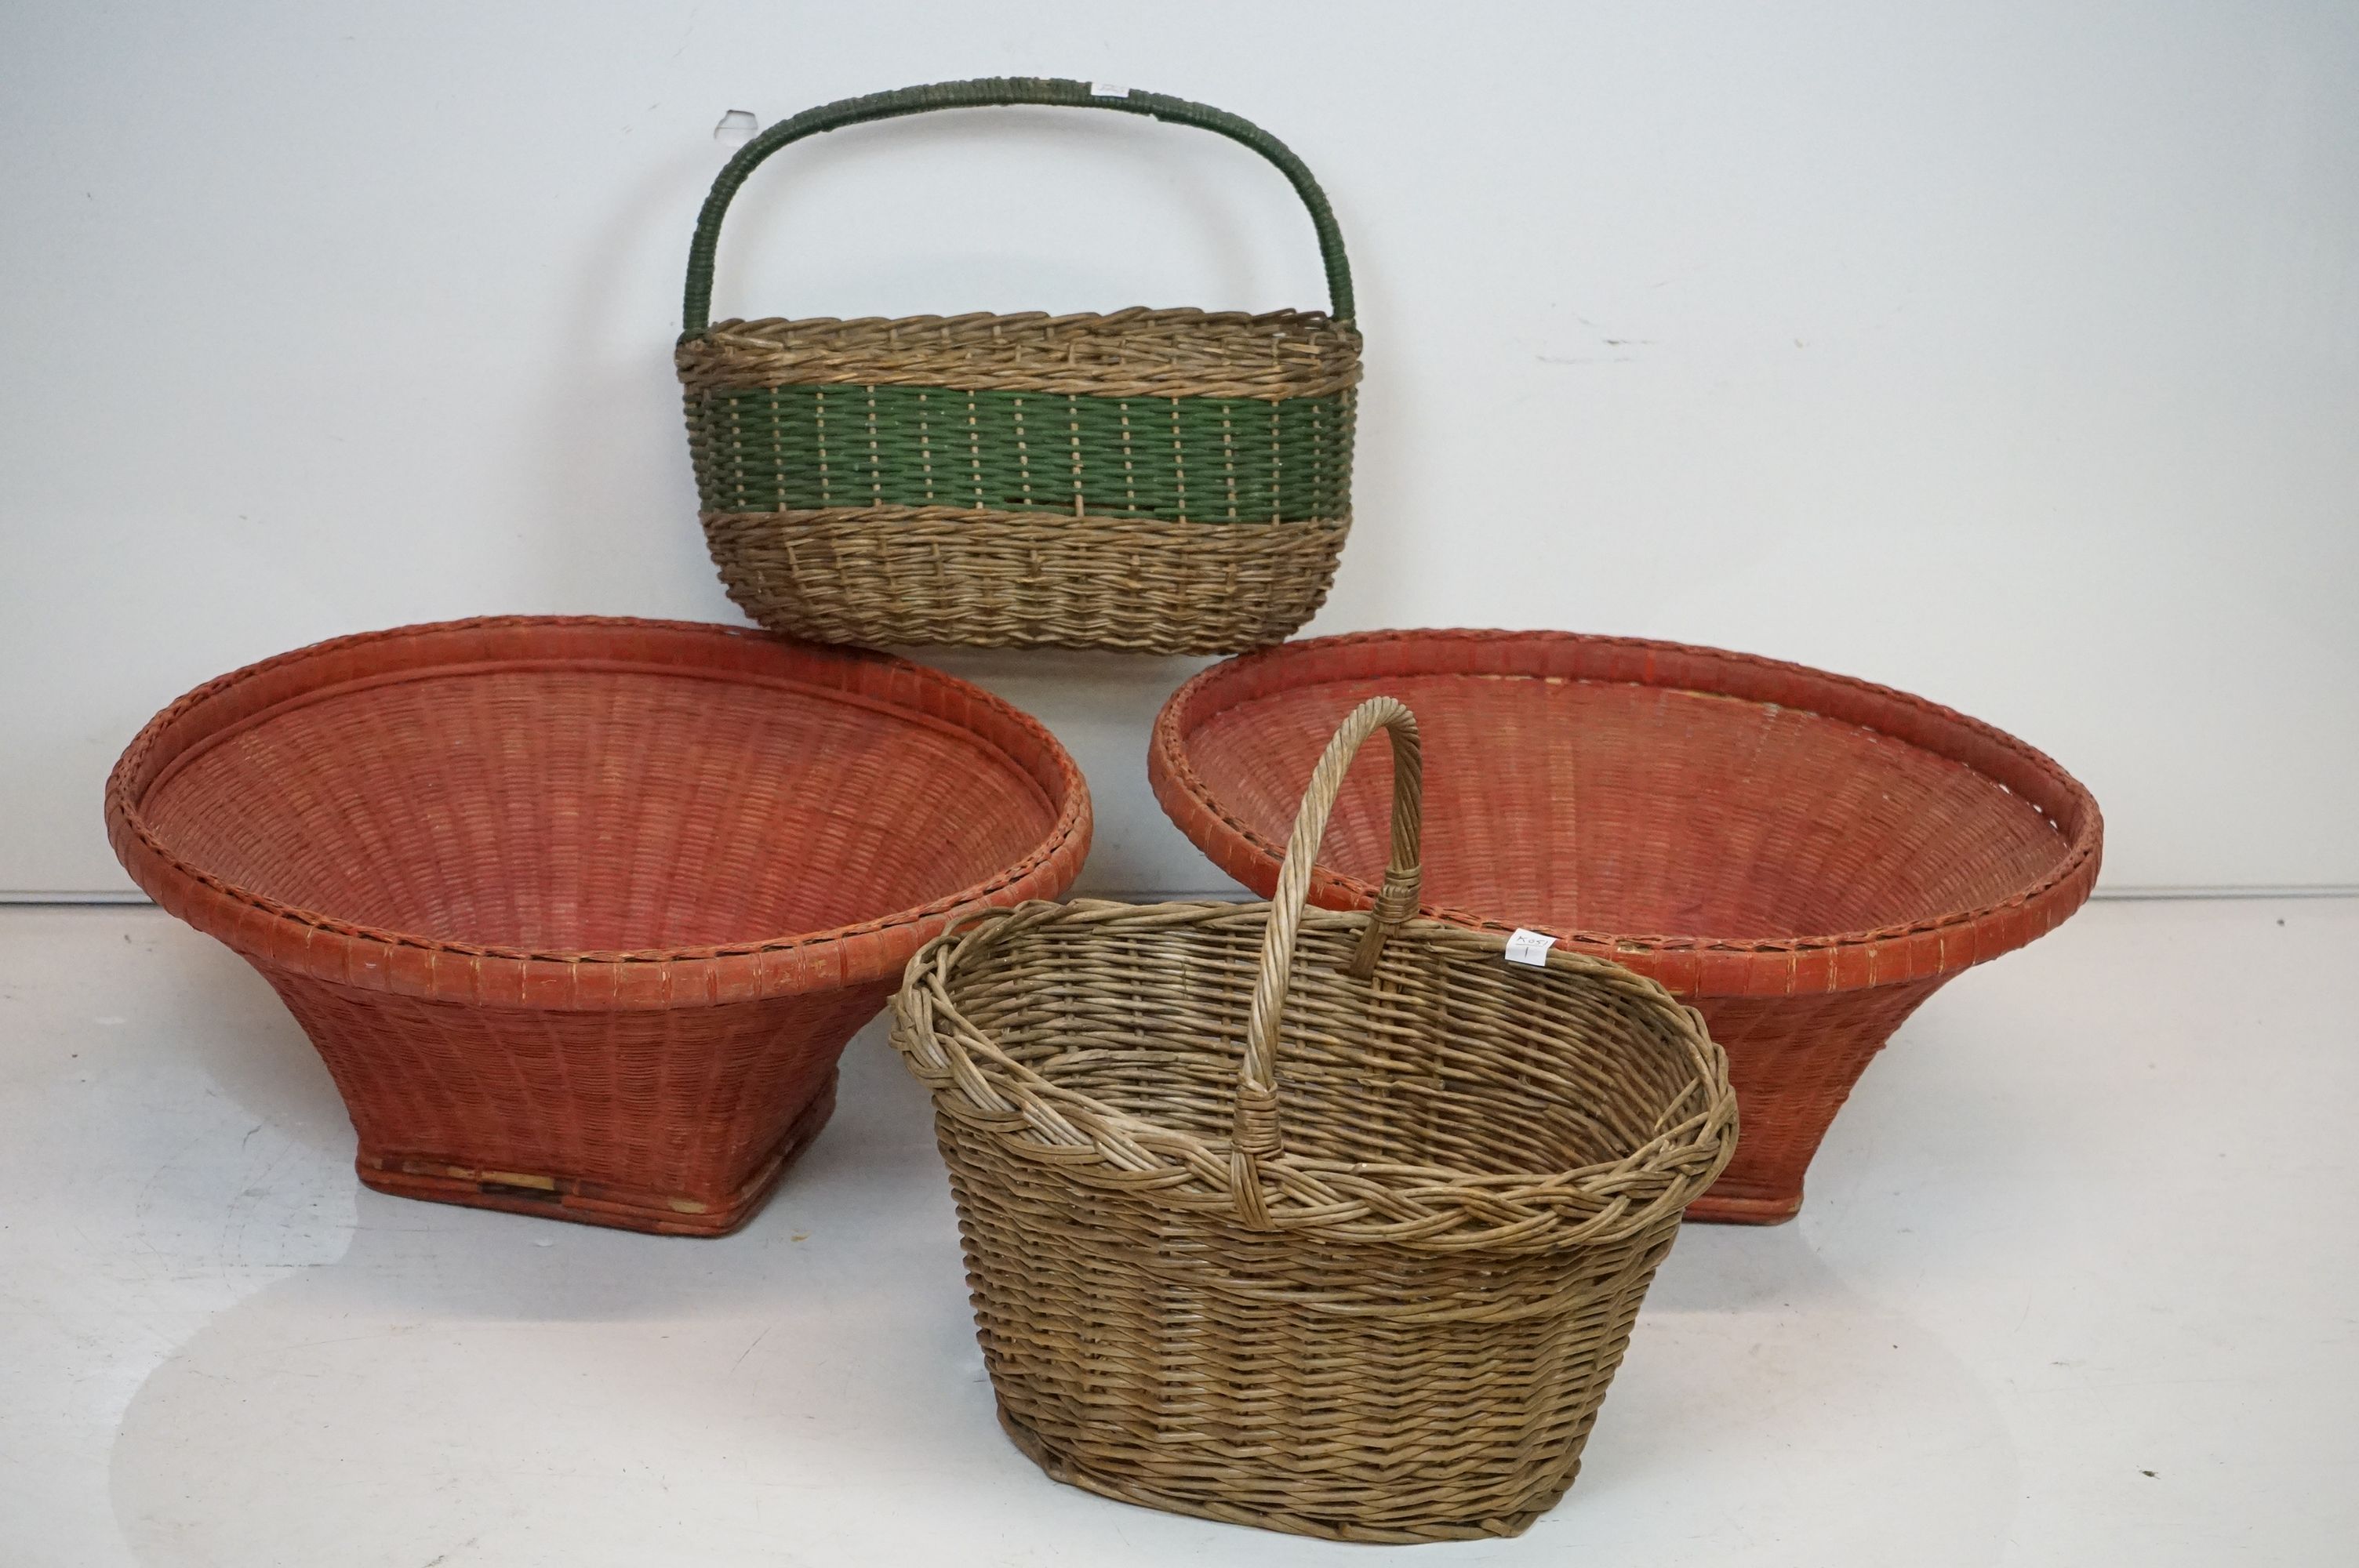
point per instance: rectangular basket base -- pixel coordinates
(596, 1203)
(1720, 1206)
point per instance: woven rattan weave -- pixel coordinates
(1155, 480)
(581, 911)
(1332, 1223)
(1805, 856)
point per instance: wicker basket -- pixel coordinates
(581, 911)
(1328, 1222)
(1805, 857)
(1168, 482)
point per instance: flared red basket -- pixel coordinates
(581, 912)
(1150, 481)
(1328, 1222)
(1803, 856)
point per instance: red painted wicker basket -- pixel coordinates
(581, 911)
(1803, 856)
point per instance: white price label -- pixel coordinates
(1529, 947)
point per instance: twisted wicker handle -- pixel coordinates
(1256, 1131)
(696, 308)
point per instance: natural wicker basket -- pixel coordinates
(1328, 1222)
(1805, 856)
(1154, 480)
(581, 911)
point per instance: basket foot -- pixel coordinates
(1720, 1207)
(1056, 1468)
(595, 1203)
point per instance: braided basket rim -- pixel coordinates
(1322, 1199)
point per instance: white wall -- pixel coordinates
(2006, 353)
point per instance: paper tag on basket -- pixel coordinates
(1529, 947)
(1108, 90)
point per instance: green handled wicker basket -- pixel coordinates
(1157, 481)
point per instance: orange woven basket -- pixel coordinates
(581, 911)
(1804, 857)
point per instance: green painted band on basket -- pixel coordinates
(1185, 458)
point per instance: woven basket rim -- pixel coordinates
(1243, 852)
(1137, 355)
(1433, 1208)
(1127, 316)
(324, 945)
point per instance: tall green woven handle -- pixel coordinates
(696, 307)
(1256, 1131)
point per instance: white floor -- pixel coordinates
(2075, 1283)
